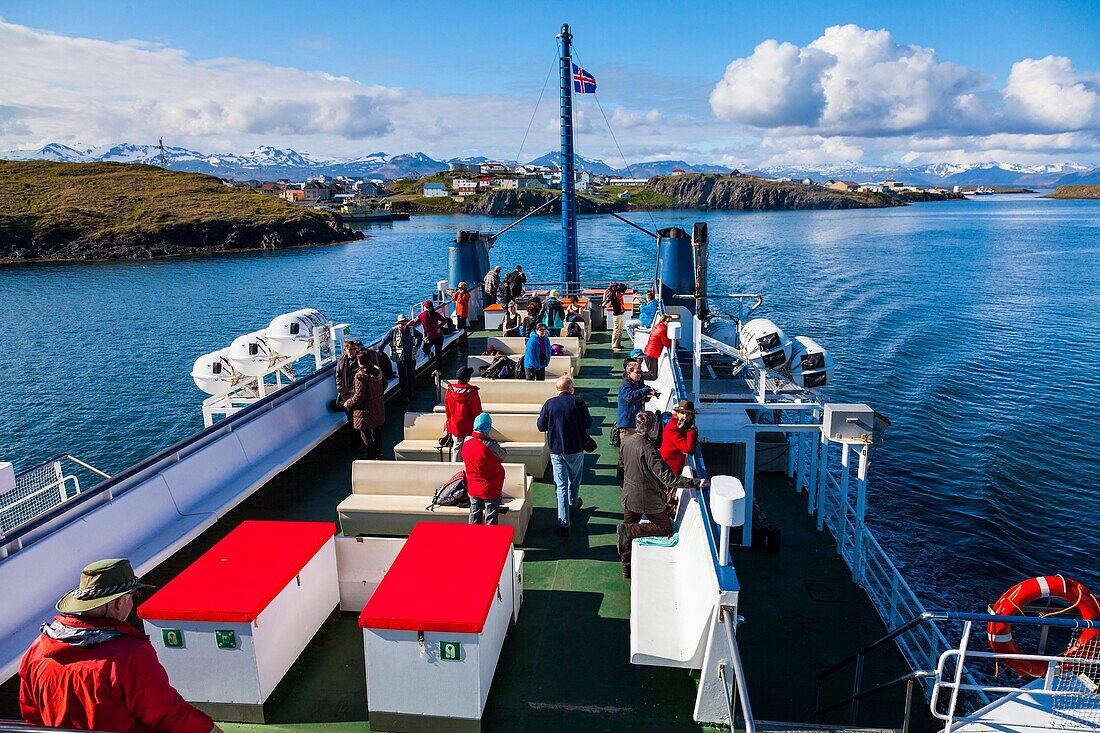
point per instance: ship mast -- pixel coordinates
(570, 264)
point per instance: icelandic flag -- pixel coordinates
(583, 82)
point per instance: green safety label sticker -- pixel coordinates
(172, 638)
(450, 651)
(226, 638)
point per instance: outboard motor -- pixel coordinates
(763, 343)
(810, 363)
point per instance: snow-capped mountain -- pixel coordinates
(271, 163)
(553, 160)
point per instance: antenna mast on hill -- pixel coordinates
(163, 155)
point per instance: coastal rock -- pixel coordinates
(747, 193)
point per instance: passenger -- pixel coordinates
(536, 357)
(618, 311)
(368, 404)
(647, 482)
(574, 313)
(566, 420)
(91, 670)
(489, 286)
(432, 322)
(462, 403)
(645, 316)
(460, 296)
(484, 458)
(533, 317)
(512, 325)
(553, 314)
(505, 289)
(655, 346)
(519, 281)
(345, 380)
(680, 436)
(633, 394)
(403, 341)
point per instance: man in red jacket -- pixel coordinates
(461, 403)
(91, 670)
(484, 459)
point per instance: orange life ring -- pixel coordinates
(1014, 600)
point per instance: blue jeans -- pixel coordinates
(568, 469)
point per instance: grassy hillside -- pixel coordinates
(1075, 192)
(104, 210)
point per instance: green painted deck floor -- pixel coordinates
(566, 664)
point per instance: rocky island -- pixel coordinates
(700, 191)
(98, 211)
(1074, 192)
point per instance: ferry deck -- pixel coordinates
(566, 664)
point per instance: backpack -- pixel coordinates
(500, 368)
(573, 329)
(492, 351)
(452, 493)
(557, 350)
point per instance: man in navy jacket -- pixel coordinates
(565, 420)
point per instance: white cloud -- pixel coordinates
(849, 81)
(135, 90)
(1049, 94)
(779, 84)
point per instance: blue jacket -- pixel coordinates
(632, 398)
(647, 312)
(531, 356)
(565, 419)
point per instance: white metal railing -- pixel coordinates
(41, 488)
(1065, 697)
(738, 690)
(836, 487)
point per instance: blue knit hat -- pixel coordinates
(635, 352)
(483, 423)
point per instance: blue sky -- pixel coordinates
(412, 75)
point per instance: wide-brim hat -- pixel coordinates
(401, 318)
(100, 583)
(685, 406)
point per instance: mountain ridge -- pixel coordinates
(270, 163)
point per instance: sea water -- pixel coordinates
(973, 325)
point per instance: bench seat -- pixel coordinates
(517, 434)
(390, 497)
(559, 365)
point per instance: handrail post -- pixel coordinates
(908, 706)
(857, 687)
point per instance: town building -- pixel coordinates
(872, 187)
(295, 195)
(678, 171)
(584, 180)
(435, 190)
(464, 186)
(845, 186)
(464, 167)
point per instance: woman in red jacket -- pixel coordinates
(655, 346)
(484, 459)
(462, 403)
(680, 436)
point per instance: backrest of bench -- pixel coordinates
(512, 391)
(429, 425)
(419, 478)
(515, 345)
(559, 365)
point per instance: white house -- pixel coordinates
(435, 190)
(584, 180)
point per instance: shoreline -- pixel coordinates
(7, 262)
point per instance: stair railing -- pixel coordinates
(739, 690)
(964, 679)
